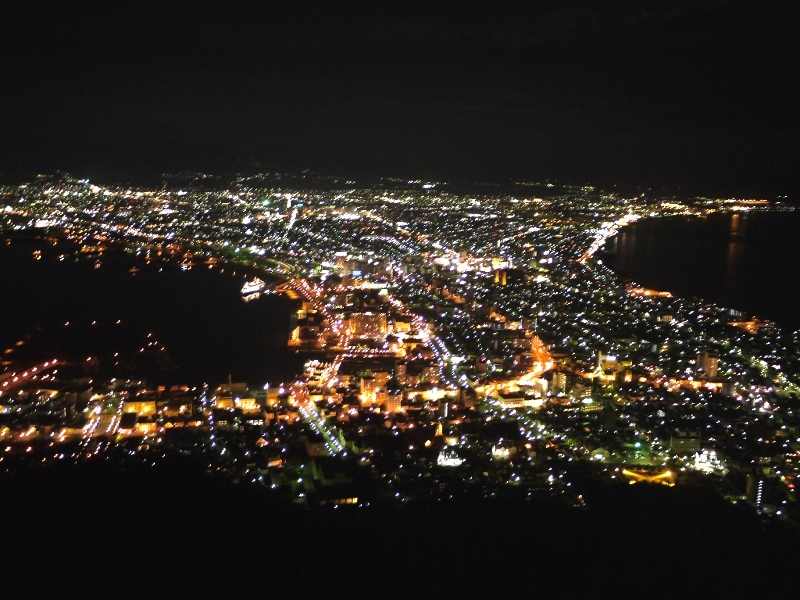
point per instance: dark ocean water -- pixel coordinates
(197, 315)
(747, 261)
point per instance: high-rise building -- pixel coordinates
(707, 364)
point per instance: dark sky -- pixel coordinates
(697, 94)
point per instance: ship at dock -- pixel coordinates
(254, 288)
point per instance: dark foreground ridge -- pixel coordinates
(173, 529)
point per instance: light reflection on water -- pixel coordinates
(745, 261)
(198, 314)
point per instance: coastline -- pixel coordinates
(198, 313)
(729, 259)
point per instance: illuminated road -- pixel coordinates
(106, 425)
(664, 477)
(312, 417)
(10, 381)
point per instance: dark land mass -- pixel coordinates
(173, 529)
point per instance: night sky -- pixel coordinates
(691, 94)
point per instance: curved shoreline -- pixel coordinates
(185, 309)
(723, 279)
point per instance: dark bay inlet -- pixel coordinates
(176, 325)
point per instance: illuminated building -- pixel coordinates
(367, 387)
(368, 323)
(144, 407)
(512, 399)
(393, 401)
(750, 326)
(708, 364)
(223, 402)
(448, 458)
(400, 373)
(248, 405)
(559, 384)
(333, 482)
(400, 324)
(762, 489)
(505, 277)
